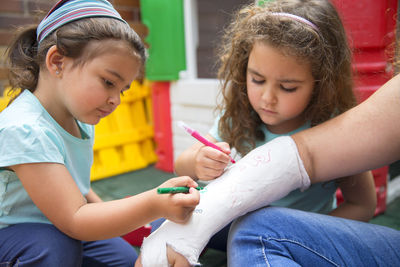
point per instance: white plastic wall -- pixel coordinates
(192, 101)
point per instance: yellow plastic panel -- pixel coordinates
(124, 140)
(7, 95)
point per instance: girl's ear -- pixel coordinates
(54, 61)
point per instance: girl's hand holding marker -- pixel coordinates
(200, 138)
(173, 190)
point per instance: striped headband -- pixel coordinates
(295, 17)
(66, 11)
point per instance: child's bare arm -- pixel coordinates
(92, 197)
(359, 197)
(203, 162)
(55, 193)
(185, 162)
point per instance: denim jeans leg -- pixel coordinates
(285, 237)
(38, 244)
(114, 252)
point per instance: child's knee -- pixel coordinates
(127, 254)
(56, 251)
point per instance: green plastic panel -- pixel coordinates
(166, 38)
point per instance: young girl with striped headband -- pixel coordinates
(285, 66)
(72, 69)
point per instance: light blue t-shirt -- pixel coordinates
(28, 134)
(319, 197)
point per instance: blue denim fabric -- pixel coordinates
(285, 237)
(40, 244)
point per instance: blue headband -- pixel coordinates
(66, 11)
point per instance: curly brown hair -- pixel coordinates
(326, 49)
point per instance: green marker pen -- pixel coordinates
(173, 190)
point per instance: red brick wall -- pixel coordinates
(17, 13)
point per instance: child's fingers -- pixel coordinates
(190, 182)
(217, 165)
(215, 155)
(138, 262)
(175, 259)
(181, 181)
(190, 199)
(224, 147)
(208, 174)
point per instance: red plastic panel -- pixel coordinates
(370, 26)
(135, 238)
(162, 125)
(370, 23)
(380, 177)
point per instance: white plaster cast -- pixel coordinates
(264, 175)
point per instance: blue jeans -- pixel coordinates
(39, 244)
(285, 237)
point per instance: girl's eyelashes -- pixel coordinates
(262, 81)
(253, 80)
(286, 89)
(108, 83)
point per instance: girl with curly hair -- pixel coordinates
(285, 66)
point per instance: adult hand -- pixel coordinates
(174, 259)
